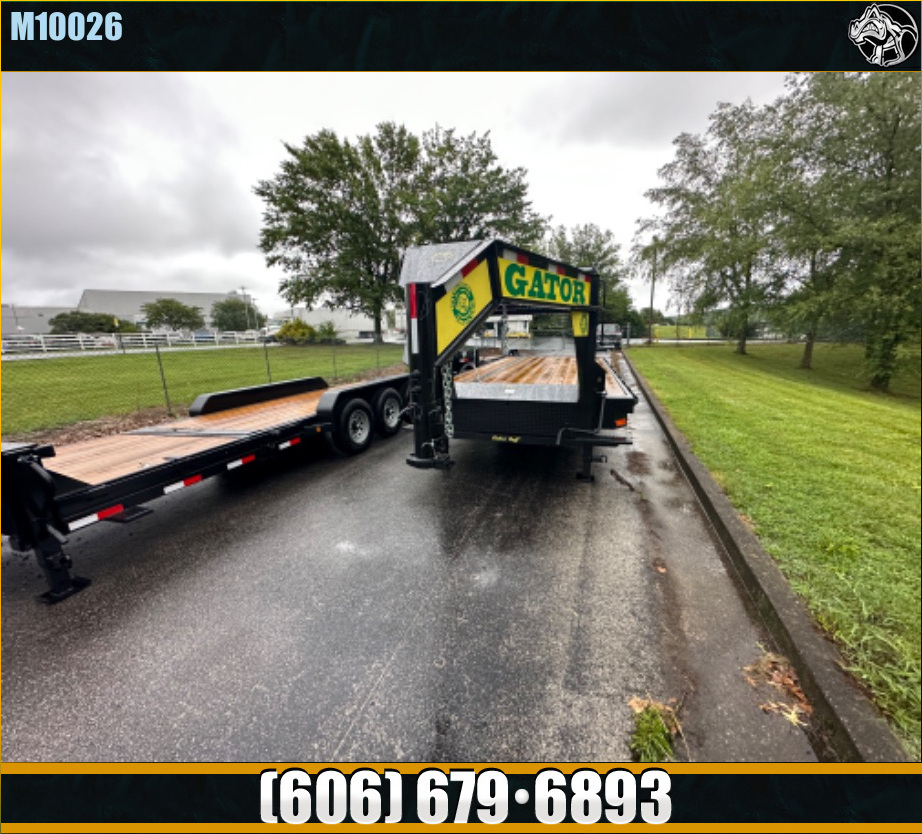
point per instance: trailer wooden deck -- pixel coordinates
(536, 370)
(104, 459)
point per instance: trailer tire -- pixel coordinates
(355, 427)
(388, 405)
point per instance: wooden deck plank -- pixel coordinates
(255, 417)
(538, 370)
(104, 459)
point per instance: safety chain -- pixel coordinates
(446, 391)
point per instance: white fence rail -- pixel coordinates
(123, 342)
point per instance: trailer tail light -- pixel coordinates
(621, 422)
(92, 519)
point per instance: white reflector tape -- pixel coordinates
(92, 519)
(235, 463)
(180, 484)
(289, 443)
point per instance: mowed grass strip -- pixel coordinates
(828, 476)
(49, 393)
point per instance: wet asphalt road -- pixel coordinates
(334, 609)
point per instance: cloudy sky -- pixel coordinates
(144, 181)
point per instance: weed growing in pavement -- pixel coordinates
(655, 726)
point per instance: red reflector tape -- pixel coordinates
(194, 479)
(412, 301)
(235, 463)
(522, 259)
(91, 519)
(469, 268)
(288, 443)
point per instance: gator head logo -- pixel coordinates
(462, 304)
(885, 34)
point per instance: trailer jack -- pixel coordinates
(56, 565)
(587, 440)
(585, 475)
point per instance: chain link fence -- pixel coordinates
(44, 391)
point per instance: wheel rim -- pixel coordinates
(359, 427)
(390, 412)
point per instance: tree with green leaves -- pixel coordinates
(714, 235)
(845, 149)
(463, 193)
(236, 314)
(172, 314)
(339, 213)
(79, 321)
(877, 158)
(806, 252)
(589, 246)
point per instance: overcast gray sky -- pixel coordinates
(144, 181)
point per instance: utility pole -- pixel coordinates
(246, 305)
(652, 287)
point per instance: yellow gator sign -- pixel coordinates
(461, 303)
(528, 283)
(466, 298)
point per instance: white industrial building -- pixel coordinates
(126, 305)
(18, 320)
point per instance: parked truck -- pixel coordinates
(577, 400)
(50, 492)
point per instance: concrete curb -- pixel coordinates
(849, 727)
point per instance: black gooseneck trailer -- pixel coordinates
(452, 289)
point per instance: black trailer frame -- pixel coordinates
(40, 507)
(472, 280)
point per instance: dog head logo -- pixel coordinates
(885, 34)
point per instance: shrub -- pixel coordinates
(296, 332)
(327, 335)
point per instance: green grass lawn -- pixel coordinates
(828, 474)
(48, 393)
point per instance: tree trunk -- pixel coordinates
(741, 341)
(881, 356)
(745, 309)
(377, 317)
(806, 361)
